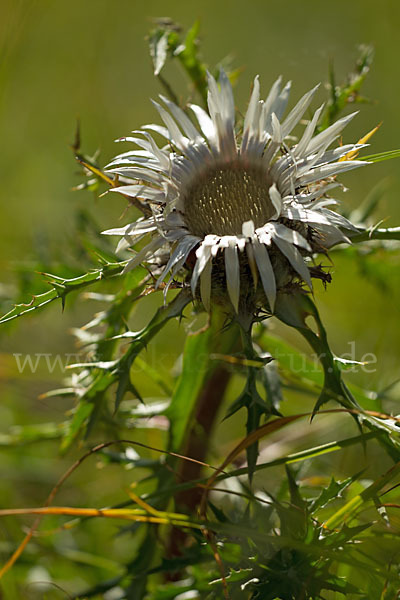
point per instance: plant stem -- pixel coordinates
(197, 447)
(365, 235)
(197, 441)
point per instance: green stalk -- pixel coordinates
(193, 411)
(366, 235)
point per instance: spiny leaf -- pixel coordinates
(347, 512)
(27, 434)
(295, 496)
(125, 385)
(339, 584)
(167, 40)
(293, 310)
(250, 398)
(104, 378)
(381, 156)
(248, 441)
(304, 374)
(303, 455)
(190, 60)
(272, 383)
(61, 288)
(158, 44)
(332, 492)
(349, 91)
(73, 427)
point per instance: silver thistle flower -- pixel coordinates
(235, 202)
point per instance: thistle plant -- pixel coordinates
(252, 198)
(231, 224)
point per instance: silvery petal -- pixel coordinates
(290, 235)
(333, 155)
(180, 254)
(227, 103)
(300, 149)
(226, 139)
(176, 136)
(295, 259)
(319, 173)
(127, 242)
(163, 131)
(251, 120)
(331, 236)
(137, 228)
(338, 219)
(205, 285)
(248, 229)
(183, 120)
(277, 135)
(266, 272)
(232, 270)
(320, 191)
(297, 112)
(138, 173)
(280, 103)
(206, 124)
(140, 191)
(162, 158)
(154, 245)
(203, 254)
(326, 137)
(267, 109)
(298, 213)
(276, 200)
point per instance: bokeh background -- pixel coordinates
(60, 61)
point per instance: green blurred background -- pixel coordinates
(61, 60)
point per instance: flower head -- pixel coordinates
(235, 206)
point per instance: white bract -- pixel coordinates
(249, 196)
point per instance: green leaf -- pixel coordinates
(303, 373)
(271, 381)
(118, 369)
(346, 512)
(19, 435)
(294, 309)
(125, 385)
(381, 156)
(345, 534)
(303, 455)
(332, 492)
(296, 498)
(256, 407)
(339, 584)
(197, 368)
(187, 53)
(73, 427)
(348, 93)
(158, 43)
(61, 288)
(191, 62)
